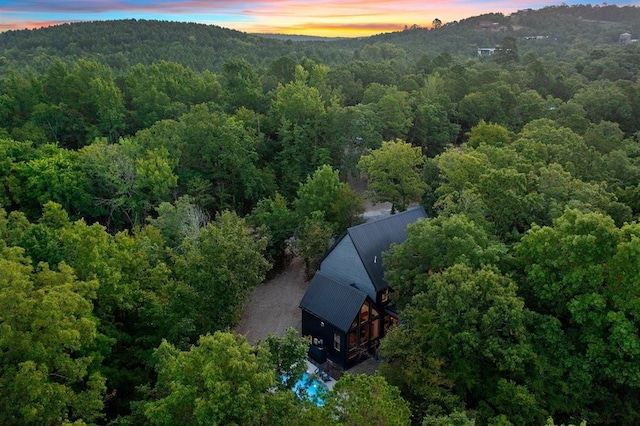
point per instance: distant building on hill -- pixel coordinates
(486, 51)
(625, 38)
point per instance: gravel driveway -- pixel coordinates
(273, 306)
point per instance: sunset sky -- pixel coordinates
(346, 18)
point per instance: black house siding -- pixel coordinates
(312, 326)
(350, 275)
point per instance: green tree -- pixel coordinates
(221, 380)
(508, 51)
(219, 150)
(457, 418)
(604, 136)
(433, 245)
(481, 105)
(57, 175)
(298, 113)
(51, 349)
(86, 103)
(241, 85)
(273, 216)
(419, 375)
(323, 192)
(489, 134)
(313, 237)
(128, 180)
(220, 266)
(392, 107)
(529, 105)
(179, 221)
(136, 303)
(363, 399)
(165, 90)
(356, 129)
(283, 69)
(582, 243)
(433, 127)
(288, 355)
(110, 112)
(603, 100)
(394, 174)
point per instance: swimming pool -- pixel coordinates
(311, 388)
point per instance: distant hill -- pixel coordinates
(123, 43)
(298, 37)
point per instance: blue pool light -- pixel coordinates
(311, 388)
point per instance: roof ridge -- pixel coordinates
(393, 216)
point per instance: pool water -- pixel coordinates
(311, 388)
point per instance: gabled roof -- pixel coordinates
(373, 238)
(333, 302)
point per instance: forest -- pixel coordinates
(153, 173)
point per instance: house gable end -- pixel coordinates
(332, 301)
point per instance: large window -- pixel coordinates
(364, 333)
(364, 313)
(375, 329)
(353, 344)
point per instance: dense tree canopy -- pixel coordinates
(153, 173)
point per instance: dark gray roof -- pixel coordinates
(373, 238)
(333, 302)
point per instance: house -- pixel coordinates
(485, 51)
(346, 310)
(625, 39)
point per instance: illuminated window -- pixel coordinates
(364, 334)
(364, 313)
(353, 344)
(389, 322)
(374, 313)
(375, 329)
(336, 342)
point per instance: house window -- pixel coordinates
(389, 322)
(336, 342)
(364, 313)
(364, 334)
(353, 344)
(384, 297)
(375, 329)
